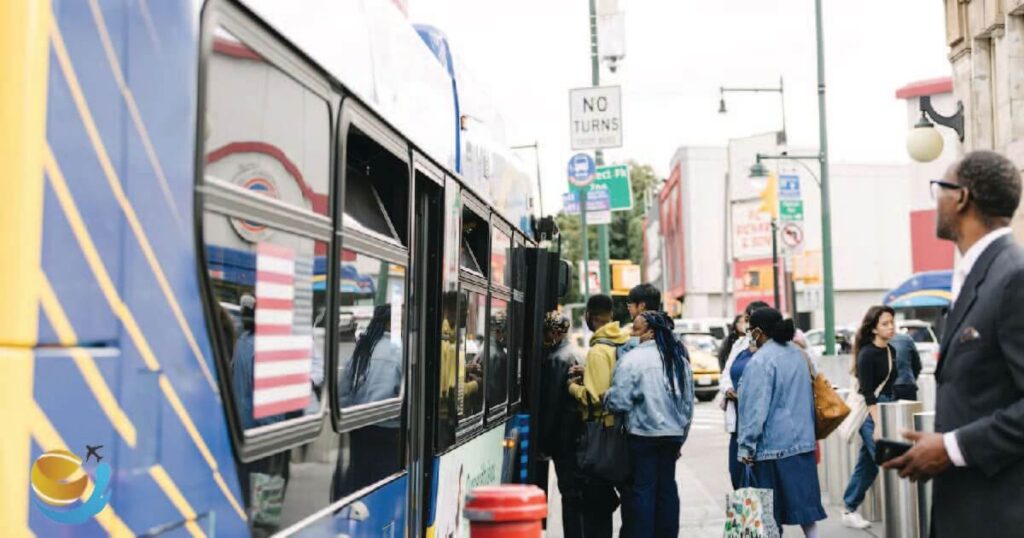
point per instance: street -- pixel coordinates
(703, 484)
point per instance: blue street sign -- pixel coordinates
(581, 169)
(789, 186)
(596, 201)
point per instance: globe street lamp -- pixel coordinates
(924, 143)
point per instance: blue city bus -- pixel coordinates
(241, 260)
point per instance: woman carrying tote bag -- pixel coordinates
(875, 374)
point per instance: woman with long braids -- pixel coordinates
(775, 437)
(372, 374)
(653, 385)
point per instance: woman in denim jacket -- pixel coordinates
(653, 384)
(776, 422)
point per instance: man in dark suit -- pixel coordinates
(977, 458)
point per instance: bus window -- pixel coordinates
(497, 355)
(450, 309)
(472, 360)
(370, 330)
(276, 368)
(376, 189)
(265, 131)
(500, 266)
(474, 243)
(516, 347)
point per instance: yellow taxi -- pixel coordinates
(703, 349)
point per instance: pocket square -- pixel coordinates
(969, 334)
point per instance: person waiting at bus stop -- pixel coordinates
(588, 390)
(775, 434)
(653, 385)
(560, 422)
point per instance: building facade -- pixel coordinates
(986, 50)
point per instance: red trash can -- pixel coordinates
(506, 511)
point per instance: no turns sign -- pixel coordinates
(595, 117)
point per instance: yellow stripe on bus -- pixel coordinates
(177, 499)
(85, 363)
(16, 370)
(133, 111)
(122, 199)
(49, 439)
(124, 314)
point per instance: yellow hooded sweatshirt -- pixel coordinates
(597, 374)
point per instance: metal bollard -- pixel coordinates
(837, 471)
(926, 391)
(924, 422)
(900, 496)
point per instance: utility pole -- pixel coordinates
(602, 229)
(826, 211)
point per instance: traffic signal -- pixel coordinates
(770, 196)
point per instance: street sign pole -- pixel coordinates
(775, 262)
(586, 242)
(602, 229)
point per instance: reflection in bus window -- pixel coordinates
(472, 363)
(265, 132)
(370, 331)
(500, 266)
(518, 312)
(276, 368)
(497, 355)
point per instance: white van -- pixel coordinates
(717, 327)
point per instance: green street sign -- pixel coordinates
(615, 180)
(791, 210)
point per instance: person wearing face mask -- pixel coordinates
(737, 330)
(560, 424)
(653, 385)
(740, 354)
(775, 437)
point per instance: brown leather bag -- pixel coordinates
(829, 409)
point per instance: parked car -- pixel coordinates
(716, 327)
(844, 340)
(925, 340)
(703, 348)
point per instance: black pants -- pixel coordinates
(587, 504)
(651, 504)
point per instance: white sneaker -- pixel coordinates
(855, 521)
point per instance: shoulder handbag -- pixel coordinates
(603, 451)
(858, 406)
(829, 409)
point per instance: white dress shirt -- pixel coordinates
(960, 272)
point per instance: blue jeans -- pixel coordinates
(866, 470)
(651, 502)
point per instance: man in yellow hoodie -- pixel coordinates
(597, 374)
(599, 500)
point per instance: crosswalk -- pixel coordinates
(708, 416)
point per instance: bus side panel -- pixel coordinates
(476, 463)
(381, 513)
(119, 256)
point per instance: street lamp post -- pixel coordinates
(826, 210)
(781, 90)
(602, 229)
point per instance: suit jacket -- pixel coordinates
(980, 379)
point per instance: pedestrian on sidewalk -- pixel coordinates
(588, 385)
(977, 456)
(737, 330)
(654, 387)
(741, 353)
(776, 422)
(560, 423)
(908, 366)
(641, 298)
(875, 369)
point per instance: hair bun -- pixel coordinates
(784, 331)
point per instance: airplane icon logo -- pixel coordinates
(93, 451)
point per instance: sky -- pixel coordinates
(678, 54)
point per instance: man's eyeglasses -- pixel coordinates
(937, 184)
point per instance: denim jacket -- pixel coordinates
(776, 404)
(640, 388)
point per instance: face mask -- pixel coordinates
(633, 341)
